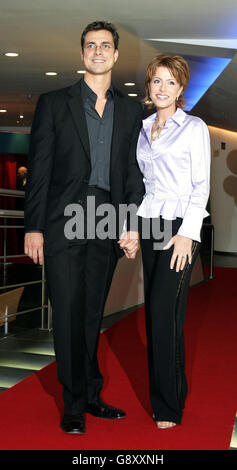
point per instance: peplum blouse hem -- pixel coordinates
(168, 209)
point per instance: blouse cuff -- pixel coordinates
(192, 224)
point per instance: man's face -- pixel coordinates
(21, 173)
(99, 54)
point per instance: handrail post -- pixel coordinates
(6, 321)
(4, 244)
(43, 297)
(50, 326)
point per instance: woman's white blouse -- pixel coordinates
(176, 169)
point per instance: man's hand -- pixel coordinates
(129, 242)
(182, 251)
(34, 247)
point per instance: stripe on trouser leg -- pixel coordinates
(177, 337)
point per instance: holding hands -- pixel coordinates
(129, 243)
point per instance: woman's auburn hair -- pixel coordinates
(177, 66)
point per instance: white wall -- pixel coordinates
(223, 205)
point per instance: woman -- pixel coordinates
(173, 153)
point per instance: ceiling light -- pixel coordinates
(11, 54)
(132, 94)
(129, 84)
(51, 73)
(81, 71)
(3, 110)
(21, 116)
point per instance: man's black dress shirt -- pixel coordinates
(100, 135)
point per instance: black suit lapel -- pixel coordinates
(117, 126)
(79, 117)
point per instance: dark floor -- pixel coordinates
(27, 348)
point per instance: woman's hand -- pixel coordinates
(182, 250)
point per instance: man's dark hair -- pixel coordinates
(97, 26)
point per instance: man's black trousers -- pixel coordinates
(78, 280)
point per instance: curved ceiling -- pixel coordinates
(47, 36)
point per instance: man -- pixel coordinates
(83, 144)
(21, 178)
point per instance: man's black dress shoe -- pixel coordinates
(73, 424)
(102, 410)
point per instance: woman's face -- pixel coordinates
(164, 89)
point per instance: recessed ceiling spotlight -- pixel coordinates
(81, 71)
(11, 54)
(129, 84)
(3, 110)
(51, 73)
(132, 94)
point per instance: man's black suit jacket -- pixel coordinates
(59, 161)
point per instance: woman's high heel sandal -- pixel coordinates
(164, 424)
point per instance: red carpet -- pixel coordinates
(30, 411)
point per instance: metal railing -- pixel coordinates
(45, 307)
